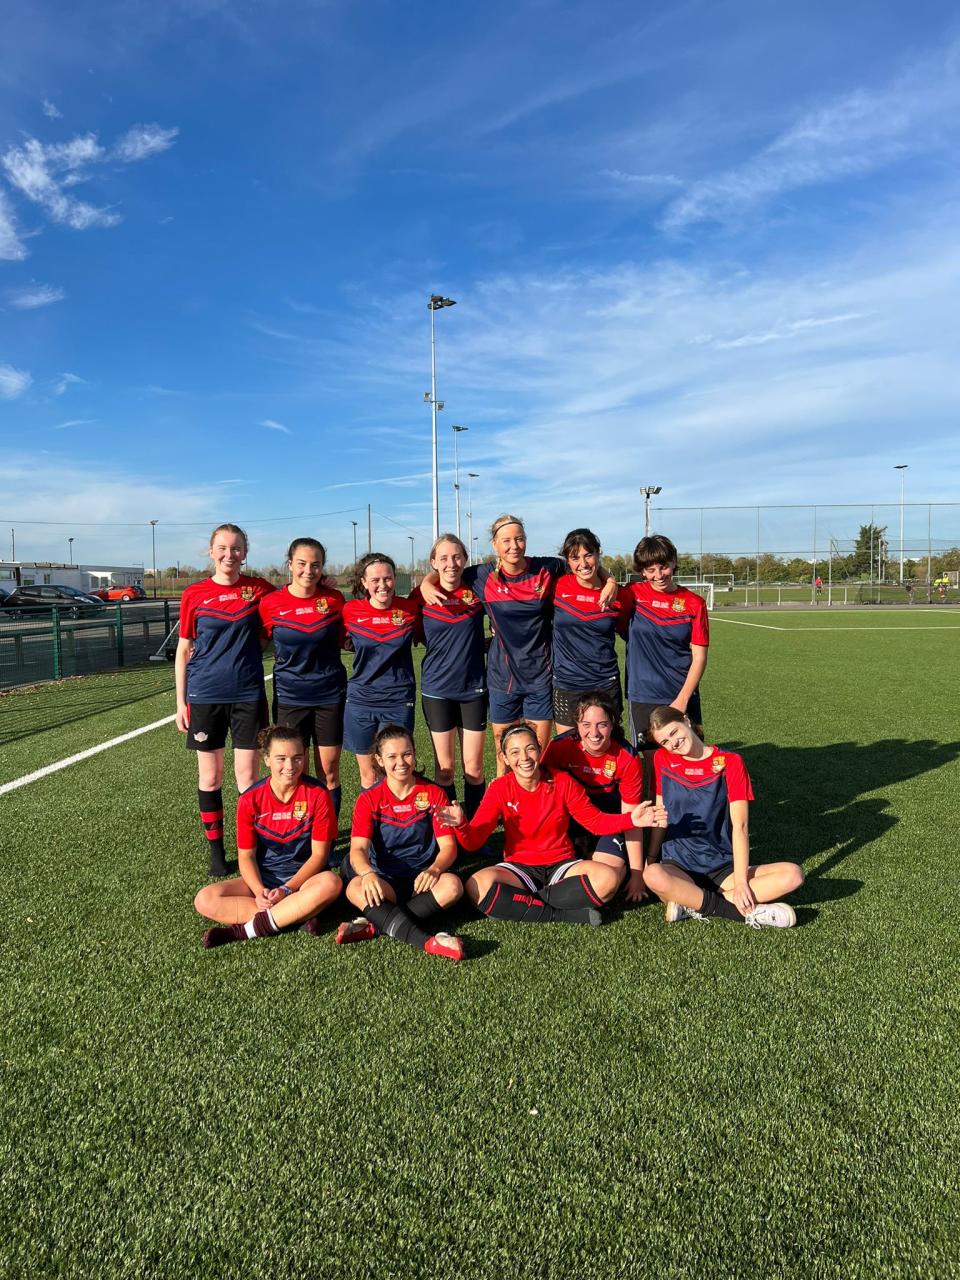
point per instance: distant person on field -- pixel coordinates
(285, 831)
(704, 868)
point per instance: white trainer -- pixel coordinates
(771, 915)
(675, 913)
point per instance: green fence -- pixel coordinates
(48, 644)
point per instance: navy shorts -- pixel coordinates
(402, 885)
(588, 844)
(534, 705)
(360, 724)
(704, 879)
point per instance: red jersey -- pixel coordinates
(281, 831)
(402, 833)
(663, 626)
(536, 823)
(609, 778)
(224, 623)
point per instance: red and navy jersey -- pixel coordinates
(608, 779)
(402, 833)
(224, 624)
(663, 626)
(281, 830)
(584, 635)
(453, 666)
(307, 637)
(382, 651)
(536, 823)
(697, 795)
(520, 609)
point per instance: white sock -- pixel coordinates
(250, 932)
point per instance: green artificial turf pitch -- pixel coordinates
(637, 1100)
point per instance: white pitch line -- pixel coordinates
(90, 751)
(737, 622)
(82, 755)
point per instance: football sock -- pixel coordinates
(211, 815)
(261, 926)
(393, 920)
(472, 795)
(422, 905)
(574, 891)
(336, 798)
(715, 904)
(510, 902)
(449, 789)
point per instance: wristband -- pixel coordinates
(285, 888)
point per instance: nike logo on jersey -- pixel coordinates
(282, 613)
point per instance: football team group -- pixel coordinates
(570, 791)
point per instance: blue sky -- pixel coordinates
(711, 246)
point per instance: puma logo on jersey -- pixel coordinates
(514, 805)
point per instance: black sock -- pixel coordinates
(715, 904)
(211, 815)
(422, 905)
(574, 891)
(511, 902)
(472, 795)
(336, 798)
(393, 920)
(449, 789)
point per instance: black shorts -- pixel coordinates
(321, 725)
(565, 701)
(640, 713)
(536, 878)
(402, 885)
(444, 714)
(210, 722)
(704, 879)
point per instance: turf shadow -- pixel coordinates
(74, 704)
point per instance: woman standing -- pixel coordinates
(381, 627)
(453, 687)
(305, 620)
(398, 869)
(219, 677)
(285, 831)
(541, 879)
(585, 631)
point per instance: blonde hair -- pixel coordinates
(234, 529)
(447, 537)
(503, 520)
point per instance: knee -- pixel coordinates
(444, 776)
(605, 880)
(353, 893)
(798, 876)
(449, 889)
(654, 876)
(330, 885)
(204, 900)
(475, 888)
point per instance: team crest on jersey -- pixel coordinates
(718, 763)
(397, 617)
(323, 605)
(246, 593)
(538, 588)
(421, 800)
(300, 809)
(468, 597)
(678, 604)
(609, 768)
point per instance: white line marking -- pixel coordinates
(736, 622)
(90, 751)
(764, 627)
(82, 755)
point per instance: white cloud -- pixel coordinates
(645, 179)
(74, 422)
(11, 248)
(13, 382)
(40, 173)
(855, 133)
(275, 426)
(51, 111)
(144, 140)
(34, 296)
(63, 381)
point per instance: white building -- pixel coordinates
(86, 577)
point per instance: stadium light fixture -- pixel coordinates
(437, 303)
(901, 467)
(153, 548)
(354, 523)
(456, 469)
(649, 491)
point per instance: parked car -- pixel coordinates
(129, 591)
(68, 599)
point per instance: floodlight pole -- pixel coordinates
(456, 469)
(354, 523)
(412, 559)
(901, 467)
(153, 548)
(437, 301)
(650, 491)
(70, 544)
